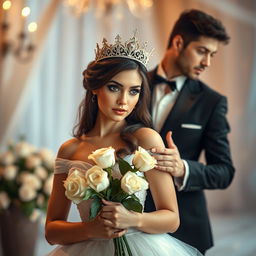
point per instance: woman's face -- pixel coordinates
(118, 97)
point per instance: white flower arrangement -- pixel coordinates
(98, 183)
(26, 176)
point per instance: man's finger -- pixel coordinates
(169, 157)
(169, 140)
(164, 169)
(163, 151)
(166, 163)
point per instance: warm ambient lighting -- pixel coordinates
(32, 27)
(25, 11)
(22, 47)
(136, 7)
(7, 5)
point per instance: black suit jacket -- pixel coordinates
(199, 105)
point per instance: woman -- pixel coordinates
(114, 113)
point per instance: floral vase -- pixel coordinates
(18, 233)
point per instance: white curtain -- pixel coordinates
(16, 80)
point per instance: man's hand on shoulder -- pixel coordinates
(168, 159)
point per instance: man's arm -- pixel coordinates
(218, 172)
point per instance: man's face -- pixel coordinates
(196, 57)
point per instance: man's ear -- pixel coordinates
(178, 43)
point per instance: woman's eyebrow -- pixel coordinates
(115, 82)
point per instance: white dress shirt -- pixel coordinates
(162, 102)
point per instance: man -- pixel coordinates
(196, 116)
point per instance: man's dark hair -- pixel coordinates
(194, 23)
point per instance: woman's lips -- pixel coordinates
(119, 111)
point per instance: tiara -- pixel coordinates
(130, 49)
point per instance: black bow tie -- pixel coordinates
(172, 84)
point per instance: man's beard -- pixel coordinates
(183, 66)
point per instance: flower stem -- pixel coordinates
(117, 247)
(127, 245)
(120, 244)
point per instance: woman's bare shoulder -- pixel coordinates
(148, 138)
(68, 148)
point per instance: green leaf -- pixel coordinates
(135, 197)
(113, 189)
(108, 193)
(120, 196)
(132, 205)
(116, 186)
(109, 171)
(124, 166)
(90, 193)
(95, 207)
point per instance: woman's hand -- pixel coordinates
(101, 228)
(115, 215)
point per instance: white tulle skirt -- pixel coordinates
(141, 244)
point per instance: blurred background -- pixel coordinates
(45, 49)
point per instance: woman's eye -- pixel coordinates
(134, 91)
(113, 88)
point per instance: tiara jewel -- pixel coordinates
(130, 49)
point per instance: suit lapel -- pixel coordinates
(189, 94)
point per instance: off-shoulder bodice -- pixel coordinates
(64, 165)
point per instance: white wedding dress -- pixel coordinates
(141, 244)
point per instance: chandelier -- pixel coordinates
(101, 7)
(22, 46)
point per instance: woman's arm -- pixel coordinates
(166, 217)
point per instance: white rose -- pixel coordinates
(131, 183)
(7, 158)
(76, 185)
(30, 180)
(143, 160)
(48, 185)
(24, 149)
(97, 178)
(4, 200)
(41, 172)
(27, 193)
(10, 172)
(103, 157)
(47, 156)
(33, 161)
(35, 215)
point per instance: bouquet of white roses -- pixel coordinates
(26, 176)
(99, 182)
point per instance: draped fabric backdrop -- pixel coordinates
(39, 99)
